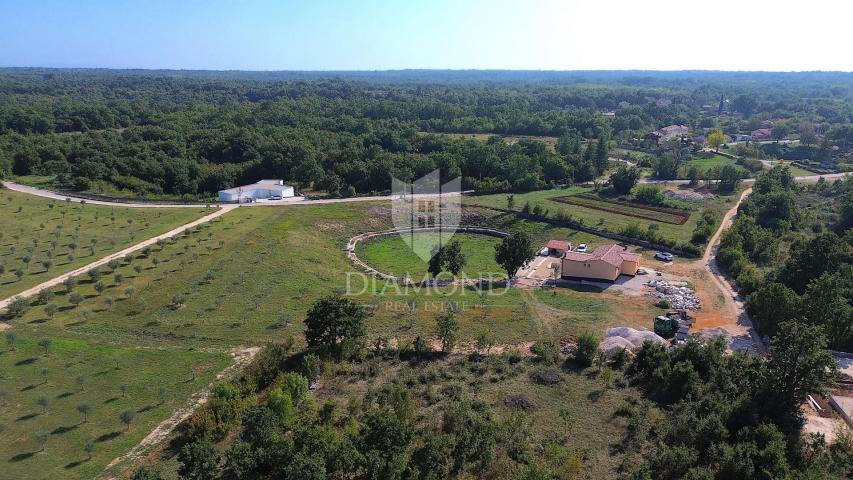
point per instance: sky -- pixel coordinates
(777, 35)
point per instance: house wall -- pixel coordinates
(592, 269)
(629, 268)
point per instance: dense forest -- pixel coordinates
(193, 133)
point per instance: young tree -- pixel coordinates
(333, 321)
(446, 329)
(89, 449)
(45, 344)
(40, 439)
(43, 402)
(587, 348)
(17, 307)
(510, 202)
(11, 340)
(84, 409)
(126, 418)
(514, 252)
(716, 138)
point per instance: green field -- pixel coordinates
(706, 162)
(256, 285)
(42, 389)
(600, 219)
(392, 255)
(244, 279)
(69, 235)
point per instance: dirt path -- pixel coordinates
(241, 357)
(725, 308)
(117, 255)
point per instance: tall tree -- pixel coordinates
(514, 251)
(335, 320)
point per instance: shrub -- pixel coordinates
(546, 351)
(546, 376)
(587, 348)
(663, 303)
(519, 401)
(648, 194)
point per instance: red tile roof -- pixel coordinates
(610, 253)
(558, 244)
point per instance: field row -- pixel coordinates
(665, 215)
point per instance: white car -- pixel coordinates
(543, 252)
(275, 197)
(664, 256)
(581, 248)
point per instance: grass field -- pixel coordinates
(256, 285)
(704, 163)
(43, 389)
(43, 238)
(600, 219)
(392, 255)
(244, 279)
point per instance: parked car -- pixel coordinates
(664, 256)
(275, 197)
(543, 252)
(581, 248)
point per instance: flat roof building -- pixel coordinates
(263, 189)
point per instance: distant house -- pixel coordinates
(767, 124)
(558, 247)
(667, 133)
(761, 134)
(606, 263)
(743, 138)
(663, 102)
(263, 189)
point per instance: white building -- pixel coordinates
(263, 189)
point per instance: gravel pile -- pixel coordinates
(689, 195)
(679, 295)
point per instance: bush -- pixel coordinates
(663, 303)
(546, 351)
(546, 376)
(648, 194)
(587, 348)
(519, 401)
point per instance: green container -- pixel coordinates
(665, 326)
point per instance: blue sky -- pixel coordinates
(385, 34)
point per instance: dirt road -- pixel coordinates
(118, 255)
(729, 313)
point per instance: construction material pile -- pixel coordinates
(678, 294)
(626, 338)
(689, 195)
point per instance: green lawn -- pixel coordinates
(69, 235)
(392, 255)
(706, 162)
(109, 379)
(600, 219)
